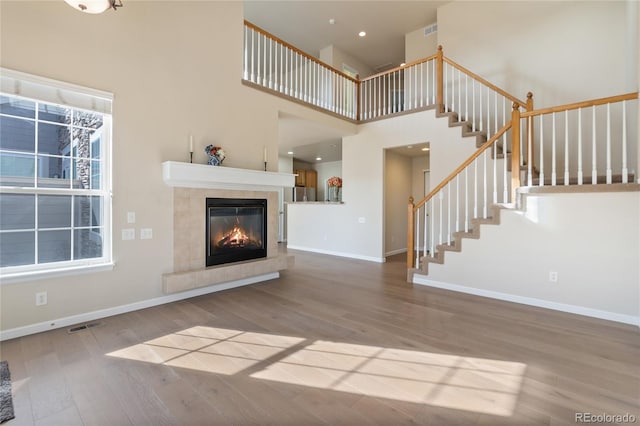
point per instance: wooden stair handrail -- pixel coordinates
(583, 104)
(464, 165)
(485, 82)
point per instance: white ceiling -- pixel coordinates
(305, 24)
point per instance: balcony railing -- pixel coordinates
(435, 82)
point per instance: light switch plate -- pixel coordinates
(129, 234)
(146, 234)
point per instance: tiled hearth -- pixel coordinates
(193, 184)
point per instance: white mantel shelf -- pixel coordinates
(188, 175)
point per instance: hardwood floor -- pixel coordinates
(333, 341)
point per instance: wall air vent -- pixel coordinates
(433, 28)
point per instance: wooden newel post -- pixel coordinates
(410, 233)
(515, 150)
(439, 80)
(530, 143)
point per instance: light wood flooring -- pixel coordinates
(333, 341)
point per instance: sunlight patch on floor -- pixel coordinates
(451, 381)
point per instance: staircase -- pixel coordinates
(459, 205)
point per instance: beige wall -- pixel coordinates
(337, 58)
(596, 260)
(397, 189)
(174, 68)
(418, 46)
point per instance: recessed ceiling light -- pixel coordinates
(425, 149)
(318, 158)
(403, 64)
(362, 33)
(332, 21)
(290, 152)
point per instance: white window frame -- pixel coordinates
(43, 90)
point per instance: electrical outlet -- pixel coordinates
(146, 234)
(41, 298)
(362, 220)
(553, 277)
(129, 234)
(131, 217)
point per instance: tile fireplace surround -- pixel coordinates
(193, 184)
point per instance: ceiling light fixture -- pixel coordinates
(403, 64)
(425, 149)
(94, 6)
(318, 158)
(362, 33)
(290, 152)
(332, 21)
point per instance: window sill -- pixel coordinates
(54, 273)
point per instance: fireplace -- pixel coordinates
(236, 230)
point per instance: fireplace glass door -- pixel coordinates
(236, 230)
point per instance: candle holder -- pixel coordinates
(265, 166)
(191, 157)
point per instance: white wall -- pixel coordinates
(173, 70)
(563, 52)
(397, 189)
(595, 254)
(355, 228)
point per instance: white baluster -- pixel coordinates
(459, 95)
(608, 144)
(594, 166)
(566, 147)
(473, 104)
(440, 198)
(457, 203)
(495, 171)
(264, 63)
(488, 114)
(579, 146)
(495, 112)
(541, 177)
(466, 97)
(553, 150)
(434, 77)
(449, 213)
(475, 188)
(245, 73)
(415, 245)
(444, 85)
(422, 88)
(505, 156)
(481, 120)
(466, 199)
(426, 225)
(625, 170)
(484, 189)
(431, 246)
(453, 89)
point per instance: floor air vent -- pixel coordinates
(83, 327)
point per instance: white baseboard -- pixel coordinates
(116, 310)
(337, 253)
(573, 309)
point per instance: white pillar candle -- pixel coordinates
(190, 142)
(265, 154)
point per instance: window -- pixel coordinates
(55, 187)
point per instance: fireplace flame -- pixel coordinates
(237, 238)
